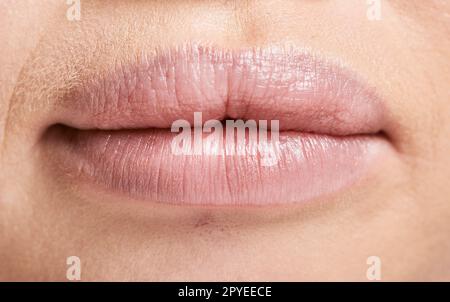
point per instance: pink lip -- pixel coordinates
(117, 126)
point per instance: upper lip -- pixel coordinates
(303, 91)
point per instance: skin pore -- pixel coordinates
(400, 212)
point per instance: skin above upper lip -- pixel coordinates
(115, 129)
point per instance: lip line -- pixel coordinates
(381, 133)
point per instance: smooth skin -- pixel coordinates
(400, 212)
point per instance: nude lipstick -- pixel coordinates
(115, 128)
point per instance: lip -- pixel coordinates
(114, 130)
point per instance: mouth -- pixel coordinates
(116, 130)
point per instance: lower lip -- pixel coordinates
(140, 164)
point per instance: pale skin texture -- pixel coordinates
(400, 212)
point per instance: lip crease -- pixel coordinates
(114, 130)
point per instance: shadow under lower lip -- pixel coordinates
(141, 165)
